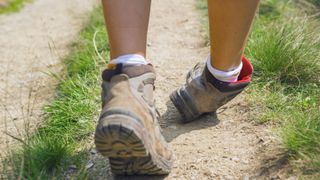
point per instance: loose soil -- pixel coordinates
(228, 145)
(32, 44)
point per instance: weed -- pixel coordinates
(284, 52)
(315, 2)
(70, 118)
(284, 48)
(272, 9)
(302, 135)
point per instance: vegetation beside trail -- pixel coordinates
(60, 143)
(284, 48)
(9, 6)
(315, 2)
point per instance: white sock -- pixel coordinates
(130, 60)
(225, 76)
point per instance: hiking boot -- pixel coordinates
(128, 132)
(203, 93)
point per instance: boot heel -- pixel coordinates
(119, 141)
(182, 101)
(122, 140)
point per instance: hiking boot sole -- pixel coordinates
(184, 104)
(126, 143)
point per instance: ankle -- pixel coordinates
(130, 60)
(224, 76)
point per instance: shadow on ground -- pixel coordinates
(274, 166)
(172, 125)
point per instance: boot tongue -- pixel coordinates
(130, 71)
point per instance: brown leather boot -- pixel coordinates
(128, 131)
(203, 93)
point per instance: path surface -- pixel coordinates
(228, 146)
(32, 43)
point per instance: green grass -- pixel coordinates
(284, 52)
(13, 6)
(315, 2)
(70, 118)
(302, 136)
(284, 47)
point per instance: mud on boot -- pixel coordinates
(128, 132)
(203, 93)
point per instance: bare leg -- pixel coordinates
(230, 23)
(127, 24)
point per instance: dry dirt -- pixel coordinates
(226, 146)
(32, 44)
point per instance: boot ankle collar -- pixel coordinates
(130, 71)
(243, 79)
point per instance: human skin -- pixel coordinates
(230, 23)
(127, 24)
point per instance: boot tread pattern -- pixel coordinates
(126, 151)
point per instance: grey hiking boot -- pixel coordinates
(128, 132)
(203, 93)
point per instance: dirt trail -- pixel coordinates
(32, 43)
(228, 146)
(222, 147)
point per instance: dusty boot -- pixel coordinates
(203, 93)
(128, 131)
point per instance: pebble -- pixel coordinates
(72, 167)
(245, 162)
(93, 151)
(89, 165)
(235, 159)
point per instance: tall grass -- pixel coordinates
(285, 51)
(284, 47)
(70, 119)
(315, 2)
